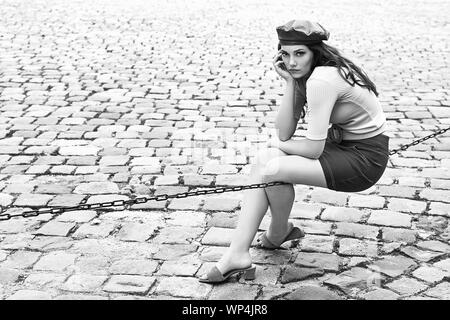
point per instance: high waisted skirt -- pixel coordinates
(354, 165)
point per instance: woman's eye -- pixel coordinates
(300, 53)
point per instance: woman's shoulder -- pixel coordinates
(326, 73)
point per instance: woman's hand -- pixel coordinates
(280, 68)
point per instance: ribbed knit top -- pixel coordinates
(331, 100)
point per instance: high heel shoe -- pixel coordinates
(215, 276)
(264, 242)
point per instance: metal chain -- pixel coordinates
(406, 146)
(59, 210)
(139, 200)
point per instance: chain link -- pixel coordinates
(140, 200)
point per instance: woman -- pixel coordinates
(350, 156)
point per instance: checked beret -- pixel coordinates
(301, 32)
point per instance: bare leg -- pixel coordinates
(293, 169)
(254, 207)
(281, 199)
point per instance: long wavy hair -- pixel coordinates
(326, 55)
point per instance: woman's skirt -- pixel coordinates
(354, 165)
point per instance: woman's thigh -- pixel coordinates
(294, 169)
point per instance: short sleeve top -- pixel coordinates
(331, 100)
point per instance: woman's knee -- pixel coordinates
(265, 155)
(271, 169)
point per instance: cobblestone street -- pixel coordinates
(110, 100)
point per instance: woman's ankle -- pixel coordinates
(278, 231)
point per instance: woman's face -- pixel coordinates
(298, 59)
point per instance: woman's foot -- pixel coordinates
(268, 240)
(278, 236)
(230, 261)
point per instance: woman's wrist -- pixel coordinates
(290, 81)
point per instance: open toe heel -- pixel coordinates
(250, 274)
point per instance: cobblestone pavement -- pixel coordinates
(106, 100)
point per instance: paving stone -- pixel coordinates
(294, 273)
(92, 265)
(380, 294)
(435, 195)
(97, 188)
(134, 267)
(94, 230)
(420, 255)
(129, 284)
(30, 295)
(342, 214)
(393, 266)
(434, 246)
(188, 218)
(178, 235)
(185, 204)
(313, 227)
(229, 291)
(312, 293)
(212, 253)
(217, 237)
(441, 291)
(55, 261)
(222, 220)
(355, 261)
(79, 216)
(5, 199)
(66, 200)
(56, 228)
(355, 247)
(84, 283)
(134, 231)
(174, 251)
(8, 275)
(79, 151)
(3, 255)
(305, 210)
(439, 209)
(32, 200)
(21, 259)
(366, 201)
(389, 218)
(183, 287)
(399, 235)
(272, 292)
(329, 262)
(356, 230)
(317, 243)
(267, 275)
(444, 265)
(430, 274)
(15, 226)
(329, 196)
(407, 205)
(45, 243)
(221, 204)
(406, 286)
(176, 268)
(45, 280)
(276, 257)
(354, 279)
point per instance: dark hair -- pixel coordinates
(326, 55)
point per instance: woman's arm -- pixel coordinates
(285, 122)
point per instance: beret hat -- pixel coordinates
(301, 32)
